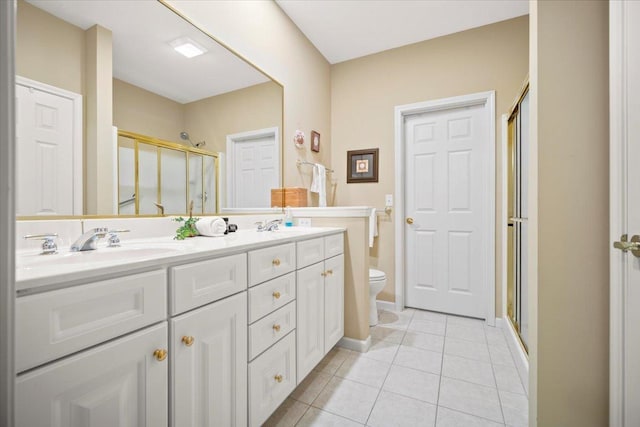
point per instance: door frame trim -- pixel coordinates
(617, 207)
(77, 132)
(488, 211)
(228, 166)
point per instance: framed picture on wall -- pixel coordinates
(315, 141)
(362, 166)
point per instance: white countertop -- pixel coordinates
(37, 273)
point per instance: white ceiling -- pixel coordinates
(347, 29)
(142, 55)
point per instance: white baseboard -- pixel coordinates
(361, 346)
(500, 323)
(386, 305)
(519, 356)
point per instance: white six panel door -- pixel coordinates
(255, 172)
(444, 197)
(44, 144)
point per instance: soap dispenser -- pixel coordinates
(288, 217)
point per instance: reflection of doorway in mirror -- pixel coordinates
(49, 150)
(253, 168)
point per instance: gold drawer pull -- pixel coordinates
(188, 340)
(278, 378)
(160, 355)
(276, 262)
(276, 327)
(276, 295)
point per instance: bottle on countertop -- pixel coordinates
(288, 217)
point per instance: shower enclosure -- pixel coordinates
(517, 221)
(156, 176)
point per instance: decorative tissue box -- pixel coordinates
(294, 197)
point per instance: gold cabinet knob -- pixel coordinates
(276, 262)
(409, 220)
(276, 295)
(278, 378)
(276, 327)
(323, 274)
(329, 271)
(188, 340)
(160, 354)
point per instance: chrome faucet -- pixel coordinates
(268, 226)
(89, 240)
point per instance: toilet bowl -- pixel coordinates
(377, 281)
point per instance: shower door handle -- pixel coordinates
(625, 245)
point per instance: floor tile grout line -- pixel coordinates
(382, 385)
(504, 420)
(435, 421)
(473, 415)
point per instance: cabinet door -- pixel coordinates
(209, 365)
(333, 301)
(310, 318)
(120, 383)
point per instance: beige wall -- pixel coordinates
(261, 32)
(365, 91)
(252, 108)
(569, 361)
(48, 49)
(138, 110)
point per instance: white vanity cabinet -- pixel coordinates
(121, 383)
(207, 340)
(209, 365)
(320, 300)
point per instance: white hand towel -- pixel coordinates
(373, 226)
(212, 226)
(319, 184)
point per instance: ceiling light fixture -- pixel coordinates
(187, 47)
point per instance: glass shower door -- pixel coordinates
(518, 221)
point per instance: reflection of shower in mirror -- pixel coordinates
(185, 137)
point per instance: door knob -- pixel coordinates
(409, 220)
(625, 245)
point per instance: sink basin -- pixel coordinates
(126, 252)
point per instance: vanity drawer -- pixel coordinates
(199, 283)
(310, 252)
(272, 376)
(333, 245)
(265, 332)
(270, 296)
(53, 324)
(265, 264)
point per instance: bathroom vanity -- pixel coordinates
(205, 332)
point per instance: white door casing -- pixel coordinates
(252, 168)
(449, 207)
(49, 149)
(624, 123)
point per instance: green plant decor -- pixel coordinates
(187, 229)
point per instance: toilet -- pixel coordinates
(377, 280)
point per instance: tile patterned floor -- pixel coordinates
(423, 369)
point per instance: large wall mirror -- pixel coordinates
(125, 107)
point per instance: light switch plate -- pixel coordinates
(388, 200)
(304, 222)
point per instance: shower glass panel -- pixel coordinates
(210, 185)
(518, 219)
(147, 178)
(173, 173)
(195, 182)
(126, 177)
